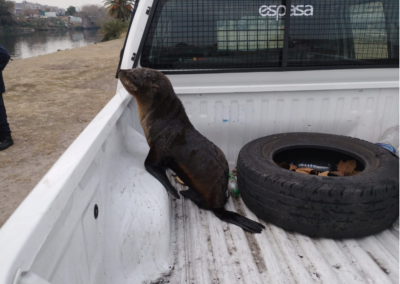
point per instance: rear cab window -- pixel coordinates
(203, 35)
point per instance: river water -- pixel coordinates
(25, 45)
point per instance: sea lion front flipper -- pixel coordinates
(191, 195)
(152, 165)
(238, 220)
(195, 197)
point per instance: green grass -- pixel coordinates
(113, 29)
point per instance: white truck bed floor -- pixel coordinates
(207, 250)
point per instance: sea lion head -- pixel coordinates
(153, 92)
(144, 83)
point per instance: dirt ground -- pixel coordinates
(50, 99)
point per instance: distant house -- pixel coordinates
(28, 9)
(35, 13)
(73, 19)
(61, 12)
(29, 5)
(53, 9)
(18, 9)
(50, 14)
(78, 9)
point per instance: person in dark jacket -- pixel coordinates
(5, 132)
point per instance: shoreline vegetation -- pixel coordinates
(52, 24)
(112, 18)
(4, 30)
(32, 18)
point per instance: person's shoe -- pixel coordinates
(5, 141)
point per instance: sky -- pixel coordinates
(65, 3)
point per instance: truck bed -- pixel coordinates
(207, 250)
(143, 235)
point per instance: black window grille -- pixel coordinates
(190, 35)
(343, 32)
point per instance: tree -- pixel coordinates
(6, 8)
(119, 9)
(113, 29)
(95, 14)
(70, 11)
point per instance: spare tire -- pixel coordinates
(319, 206)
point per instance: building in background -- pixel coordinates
(73, 19)
(50, 14)
(27, 8)
(18, 9)
(61, 11)
(29, 5)
(35, 9)
(53, 9)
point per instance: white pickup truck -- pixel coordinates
(243, 69)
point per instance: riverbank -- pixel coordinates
(31, 44)
(50, 99)
(32, 29)
(61, 23)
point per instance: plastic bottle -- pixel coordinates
(232, 185)
(390, 139)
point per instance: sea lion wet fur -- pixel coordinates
(176, 144)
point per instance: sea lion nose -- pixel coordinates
(120, 72)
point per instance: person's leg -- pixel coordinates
(5, 132)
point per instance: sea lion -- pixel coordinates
(176, 144)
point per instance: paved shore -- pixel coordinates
(50, 99)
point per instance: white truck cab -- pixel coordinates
(243, 69)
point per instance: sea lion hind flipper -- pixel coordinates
(152, 166)
(239, 220)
